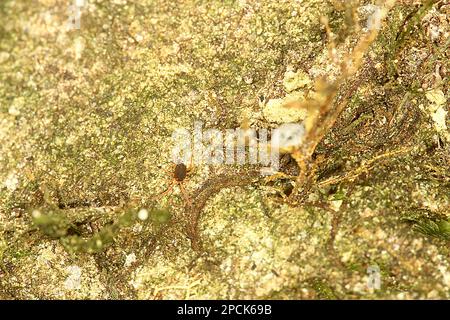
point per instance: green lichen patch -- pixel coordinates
(89, 207)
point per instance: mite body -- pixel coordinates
(180, 172)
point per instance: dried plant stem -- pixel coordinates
(365, 167)
(207, 190)
(323, 114)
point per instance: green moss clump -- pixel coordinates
(55, 224)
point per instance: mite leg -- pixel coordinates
(184, 194)
(162, 194)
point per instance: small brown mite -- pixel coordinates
(180, 172)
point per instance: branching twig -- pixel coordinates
(323, 114)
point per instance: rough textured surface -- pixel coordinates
(86, 118)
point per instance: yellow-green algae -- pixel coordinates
(85, 123)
